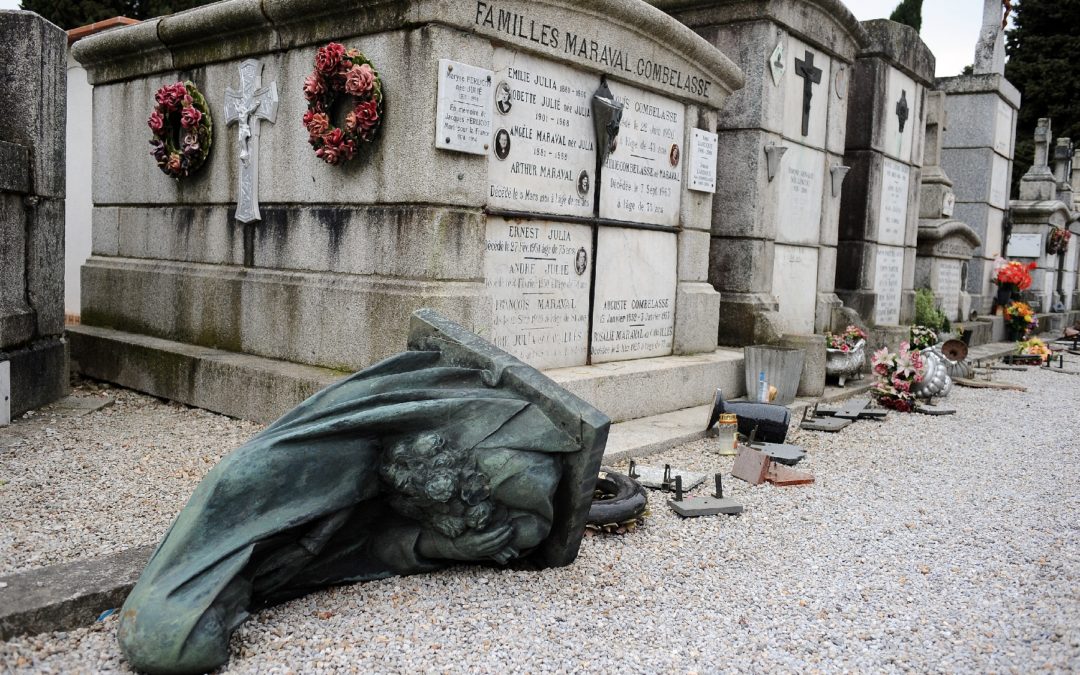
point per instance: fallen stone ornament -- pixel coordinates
(711, 505)
(451, 451)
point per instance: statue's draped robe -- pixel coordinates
(299, 506)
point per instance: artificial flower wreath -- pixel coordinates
(182, 127)
(341, 71)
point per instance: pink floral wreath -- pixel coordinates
(183, 129)
(339, 70)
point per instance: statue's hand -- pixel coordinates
(479, 544)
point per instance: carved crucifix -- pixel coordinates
(902, 109)
(811, 76)
(245, 108)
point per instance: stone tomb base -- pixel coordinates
(262, 389)
(39, 374)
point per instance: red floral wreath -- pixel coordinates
(182, 127)
(339, 70)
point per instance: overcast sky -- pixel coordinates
(950, 28)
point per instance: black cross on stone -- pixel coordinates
(811, 76)
(902, 109)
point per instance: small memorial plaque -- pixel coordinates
(795, 274)
(948, 286)
(643, 176)
(888, 284)
(634, 301)
(537, 274)
(463, 109)
(892, 219)
(543, 154)
(800, 186)
(1025, 245)
(1003, 129)
(703, 145)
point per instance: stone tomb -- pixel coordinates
(33, 356)
(486, 196)
(879, 209)
(977, 150)
(781, 143)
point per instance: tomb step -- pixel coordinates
(262, 389)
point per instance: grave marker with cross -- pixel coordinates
(245, 108)
(805, 69)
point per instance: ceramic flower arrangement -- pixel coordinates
(845, 341)
(182, 128)
(341, 71)
(895, 373)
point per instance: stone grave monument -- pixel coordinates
(977, 150)
(945, 245)
(782, 141)
(541, 173)
(33, 355)
(879, 210)
(1035, 215)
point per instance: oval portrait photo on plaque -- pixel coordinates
(581, 262)
(583, 183)
(502, 143)
(502, 98)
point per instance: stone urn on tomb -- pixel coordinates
(845, 365)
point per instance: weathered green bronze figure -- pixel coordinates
(452, 451)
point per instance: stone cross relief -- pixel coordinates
(902, 109)
(805, 69)
(246, 107)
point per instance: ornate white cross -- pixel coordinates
(246, 107)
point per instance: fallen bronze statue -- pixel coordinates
(451, 451)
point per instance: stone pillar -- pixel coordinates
(32, 58)
(945, 245)
(1038, 210)
(977, 152)
(781, 169)
(879, 214)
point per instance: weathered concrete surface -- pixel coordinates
(62, 597)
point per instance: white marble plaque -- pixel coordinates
(634, 300)
(543, 148)
(888, 284)
(800, 183)
(1003, 129)
(947, 284)
(903, 96)
(795, 274)
(994, 239)
(703, 146)
(463, 110)
(948, 203)
(642, 180)
(892, 215)
(537, 274)
(794, 88)
(1025, 245)
(999, 183)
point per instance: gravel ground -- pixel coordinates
(76, 487)
(926, 544)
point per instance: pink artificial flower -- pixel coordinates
(156, 121)
(190, 117)
(174, 164)
(367, 117)
(845, 348)
(314, 86)
(318, 124)
(171, 95)
(359, 80)
(328, 58)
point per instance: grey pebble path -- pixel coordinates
(927, 544)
